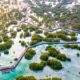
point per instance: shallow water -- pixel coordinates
(70, 72)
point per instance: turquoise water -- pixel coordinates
(70, 72)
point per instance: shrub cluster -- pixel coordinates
(33, 78)
(29, 54)
(54, 64)
(72, 46)
(6, 45)
(37, 66)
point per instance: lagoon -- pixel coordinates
(70, 71)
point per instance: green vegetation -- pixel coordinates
(72, 46)
(15, 59)
(38, 31)
(6, 45)
(21, 35)
(6, 52)
(6, 16)
(24, 27)
(54, 64)
(48, 48)
(44, 57)
(33, 78)
(35, 39)
(28, 27)
(18, 15)
(66, 45)
(5, 38)
(23, 43)
(26, 34)
(63, 35)
(32, 28)
(29, 54)
(56, 39)
(60, 35)
(73, 38)
(78, 54)
(0, 40)
(61, 57)
(10, 23)
(68, 19)
(49, 35)
(72, 34)
(54, 53)
(53, 37)
(13, 34)
(37, 66)
(25, 78)
(34, 18)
